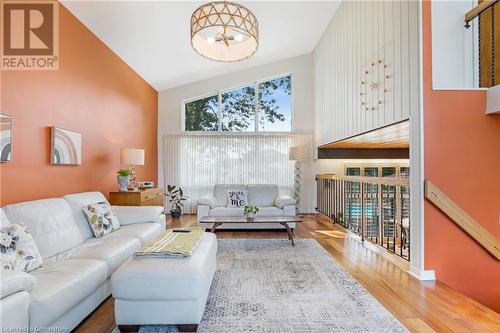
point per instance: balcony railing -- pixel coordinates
(487, 13)
(377, 209)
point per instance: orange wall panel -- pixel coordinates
(95, 93)
(462, 157)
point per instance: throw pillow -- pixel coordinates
(101, 219)
(18, 250)
(237, 198)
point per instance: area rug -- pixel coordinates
(267, 285)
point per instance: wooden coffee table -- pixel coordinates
(282, 220)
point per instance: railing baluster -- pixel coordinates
(374, 208)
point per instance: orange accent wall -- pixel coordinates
(95, 93)
(462, 157)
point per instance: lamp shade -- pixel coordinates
(132, 156)
(224, 31)
(298, 153)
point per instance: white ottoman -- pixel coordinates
(165, 290)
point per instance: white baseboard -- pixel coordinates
(422, 275)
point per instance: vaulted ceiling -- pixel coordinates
(153, 37)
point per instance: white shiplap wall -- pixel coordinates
(360, 33)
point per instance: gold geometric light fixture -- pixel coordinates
(224, 31)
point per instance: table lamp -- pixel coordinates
(132, 157)
(297, 154)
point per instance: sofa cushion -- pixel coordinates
(142, 231)
(225, 211)
(61, 285)
(51, 223)
(77, 201)
(113, 251)
(262, 195)
(156, 279)
(221, 190)
(101, 218)
(18, 250)
(269, 211)
(139, 214)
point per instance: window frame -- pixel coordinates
(219, 93)
(379, 166)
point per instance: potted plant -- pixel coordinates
(250, 211)
(123, 178)
(175, 198)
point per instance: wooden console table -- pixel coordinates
(145, 197)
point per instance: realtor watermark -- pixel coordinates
(30, 35)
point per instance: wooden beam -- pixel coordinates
(363, 153)
(396, 135)
(482, 236)
(474, 12)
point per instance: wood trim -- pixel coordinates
(363, 153)
(394, 135)
(474, 12)
(475, 230)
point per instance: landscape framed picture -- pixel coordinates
(5, 137)
(66, 147)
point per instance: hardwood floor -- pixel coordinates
(420, 306)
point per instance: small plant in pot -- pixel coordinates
(175, 198)
(250, 211)
(123, 178)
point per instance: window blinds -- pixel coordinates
(196, 162)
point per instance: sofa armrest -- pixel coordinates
(284, 200)
(139, 214)
(201, 211)
(15, 281)
(207, 200)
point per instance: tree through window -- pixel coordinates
(202, 114)
(262, 106)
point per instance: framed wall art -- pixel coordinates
(5, 137)
(66, 147)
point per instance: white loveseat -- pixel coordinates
(76, 271)
(264, 196)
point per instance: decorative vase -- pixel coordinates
(123, 182)
(250, 216)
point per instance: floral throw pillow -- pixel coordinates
(237, 198)
(101, 218)
(18, 250)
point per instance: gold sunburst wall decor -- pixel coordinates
(374, 85)
(224, 31)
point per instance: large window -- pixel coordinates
(264, 106)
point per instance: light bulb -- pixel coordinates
(238, 38)
(210, 40)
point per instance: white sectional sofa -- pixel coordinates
(76, 271)
(264, 196)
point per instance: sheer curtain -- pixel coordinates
(197, 162)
